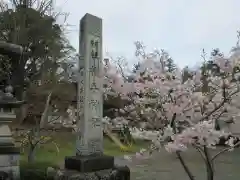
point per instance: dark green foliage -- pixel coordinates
(170, 65)
(35, 171)
(204, 77)
(186, 74)
(211, 67)
(36, 31)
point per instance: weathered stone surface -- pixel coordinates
(9, 155)
(117, 173)
(13, 172)
(5, 134)
(9, 49)
(90, 101)
(9, 160)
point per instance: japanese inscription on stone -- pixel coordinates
(95, 83)
(95, 145)
(90, 137)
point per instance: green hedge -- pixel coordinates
(35, 171)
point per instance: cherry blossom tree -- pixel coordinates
(181, 114)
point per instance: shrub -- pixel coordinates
(35, 171)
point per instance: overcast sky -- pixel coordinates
(182, 27)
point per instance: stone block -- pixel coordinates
(89, 163)
(9, 160)
(116, 173)
(10, 172)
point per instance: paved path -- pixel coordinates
(165, 166)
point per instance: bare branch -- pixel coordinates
(224, 150)
(44, 116)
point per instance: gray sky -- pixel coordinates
(182, 27)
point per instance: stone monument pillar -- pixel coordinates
(90, 137)
(89, 146)
(90, 159)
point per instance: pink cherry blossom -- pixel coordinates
(181, 113)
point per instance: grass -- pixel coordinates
(163, 166)
(66, 144)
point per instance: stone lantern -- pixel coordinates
(9, 153)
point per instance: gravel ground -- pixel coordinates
(165, 166)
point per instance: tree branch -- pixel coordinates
(208, 164)
(224, 150)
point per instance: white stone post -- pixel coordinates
(90, 103)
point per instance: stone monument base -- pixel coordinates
(89, 163)
(115, 173)
(9, 161)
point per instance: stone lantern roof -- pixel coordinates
(11, 50)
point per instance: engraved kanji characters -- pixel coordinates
(94, 47)
(81, 99)
(93, 86)
(81, 89)
(94, 106)
(95, 145)
(96, 122)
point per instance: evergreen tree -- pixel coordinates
(170, 65)
(136, 67)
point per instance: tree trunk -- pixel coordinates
(31, 154)
(45, 114)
